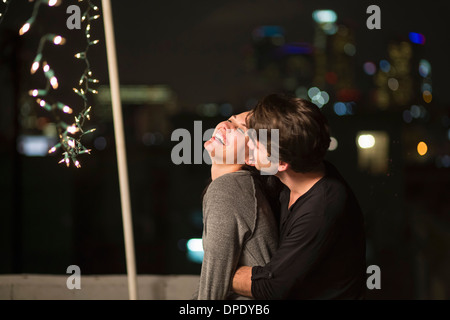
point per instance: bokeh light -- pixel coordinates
(343, 108)
(427, 96)
(318, 97)
(194, 248)
(370, 68)
(333, 144)
(366, 141)
(385, 66)
(195, 244)
(312, 92)
(427, 87)
(417, 38)
(393, 84)
(350, 49)
(407, 117)
(415, 111)
(424, 68)
(422, 148)
(339, 108)
(324, 16)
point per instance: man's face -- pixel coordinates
(258, 155)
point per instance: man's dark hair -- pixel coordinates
(304, 135)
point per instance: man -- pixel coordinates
(321, 252)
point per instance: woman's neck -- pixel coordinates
(218, 170)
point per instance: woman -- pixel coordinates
(239, 227)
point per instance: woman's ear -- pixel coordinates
(249, 162)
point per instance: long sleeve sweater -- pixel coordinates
(239, 228)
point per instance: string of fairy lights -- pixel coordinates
(5, 8)
(70, 134)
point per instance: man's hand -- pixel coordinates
(242, 281)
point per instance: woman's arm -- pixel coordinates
(221, 248)
(223, 238)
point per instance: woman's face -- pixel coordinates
(228, 144)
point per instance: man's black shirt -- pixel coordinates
(322, 246)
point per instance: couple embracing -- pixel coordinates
(283, 224)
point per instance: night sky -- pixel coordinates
(197, 47)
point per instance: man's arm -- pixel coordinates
(294, 258)
(242, 281)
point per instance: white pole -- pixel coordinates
(120, 149)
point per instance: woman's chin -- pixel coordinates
(207, 145)
(213, 144)
(211, 147)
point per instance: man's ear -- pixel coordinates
(283, 166)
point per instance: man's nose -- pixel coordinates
(250, 144)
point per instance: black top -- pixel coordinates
(322, 246)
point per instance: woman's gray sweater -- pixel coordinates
(238, 229)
